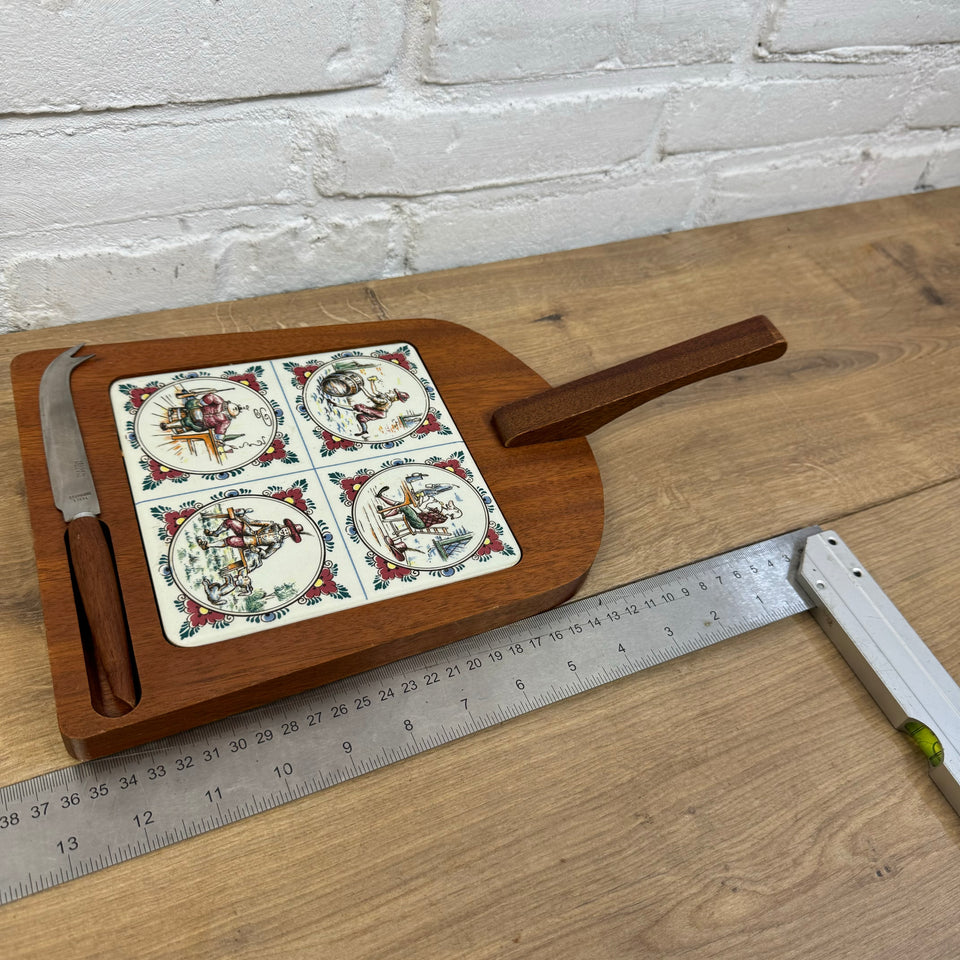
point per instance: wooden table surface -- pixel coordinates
(746, 801)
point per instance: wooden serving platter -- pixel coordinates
(223, 628)
(287, 508)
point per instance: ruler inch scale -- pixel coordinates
(79, 819)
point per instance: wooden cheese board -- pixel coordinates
(289, 507)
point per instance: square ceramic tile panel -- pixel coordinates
(283, 490)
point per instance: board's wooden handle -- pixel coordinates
(113, 692)
(582, 406)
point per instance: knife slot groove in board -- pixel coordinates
(111, 666)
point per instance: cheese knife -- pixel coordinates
(107, 651)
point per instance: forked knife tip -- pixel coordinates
(72, 353)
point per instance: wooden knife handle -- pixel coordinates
(114, 690)
(581, 406)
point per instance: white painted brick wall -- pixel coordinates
(743, 192)
(510, 39)
(452, 149)
(67, 55)
(108, 282)
(539, 218)
(307, 253)
(158, 155)
(730, 116)
(118, 167)
(804, 25)
(939, 105)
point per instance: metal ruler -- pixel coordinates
(85, 817)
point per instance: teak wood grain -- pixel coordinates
(551, 495)
(158, 688)
(748, 801)
(111, 667)
(577, 408)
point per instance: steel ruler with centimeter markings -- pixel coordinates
(82, 818)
